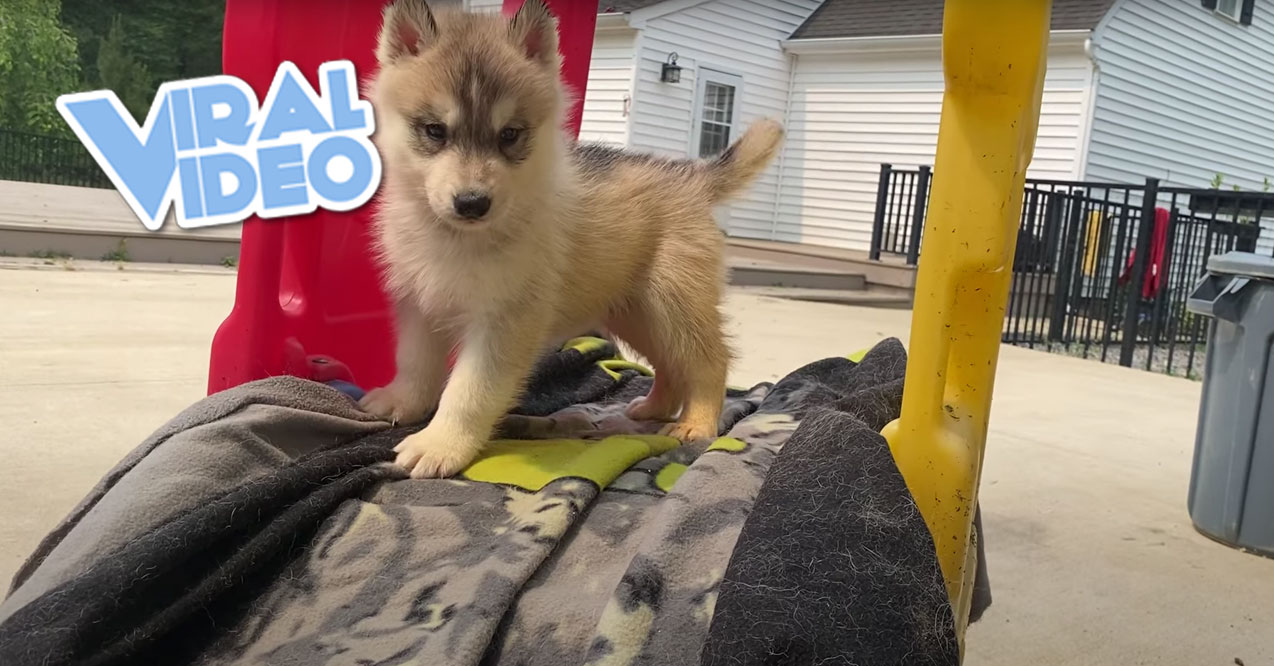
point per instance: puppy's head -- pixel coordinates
(469, 109)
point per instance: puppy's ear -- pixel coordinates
(407, 29)
(534, 30)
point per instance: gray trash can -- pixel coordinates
(1232, 481)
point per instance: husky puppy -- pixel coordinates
(501, 235)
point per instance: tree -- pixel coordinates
(172, 40)
(121, 72)
(38, 62)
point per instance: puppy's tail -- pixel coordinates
(740, 164)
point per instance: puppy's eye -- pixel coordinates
(509, 136)
(436, 131)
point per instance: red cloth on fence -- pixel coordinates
(1154, 268)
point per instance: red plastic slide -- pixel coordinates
(308, 300)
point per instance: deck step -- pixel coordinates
(753, 274)
(869, 299)
(888, 273)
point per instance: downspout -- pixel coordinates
(787, 123)
(634, 82)
(1090, 52)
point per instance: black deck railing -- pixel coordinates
(38, 158)
(901, 197)
(1089, 278)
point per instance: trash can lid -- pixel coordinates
(1242, 263)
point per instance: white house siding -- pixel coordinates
(610, 84)
(1183, 95)
(484, 5)
(741, 37)
(852, 112)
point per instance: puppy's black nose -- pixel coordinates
(472, 205)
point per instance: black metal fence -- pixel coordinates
(901, 197)
(1090, 278)
(38, 158)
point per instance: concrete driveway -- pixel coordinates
(1092, 557)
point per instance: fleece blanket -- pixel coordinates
(264, 525)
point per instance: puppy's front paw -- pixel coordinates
(434, 453)
(396, 403)
(690, 432)
(649, 408)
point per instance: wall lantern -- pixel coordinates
(671, 72)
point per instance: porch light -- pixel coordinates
(671, 72)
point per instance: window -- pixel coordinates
(1239, 11)
(716, 111)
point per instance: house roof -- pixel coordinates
(623, 6)
(874, 18)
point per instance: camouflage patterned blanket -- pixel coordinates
(265, 526)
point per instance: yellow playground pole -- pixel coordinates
(994, 54)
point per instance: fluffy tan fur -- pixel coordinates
(575, 237)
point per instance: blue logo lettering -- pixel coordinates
(210, 154)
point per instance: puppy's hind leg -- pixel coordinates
(700, 358)
(633, 325)
(685, 329)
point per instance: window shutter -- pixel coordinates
(1209, 5)
(1245, 13)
